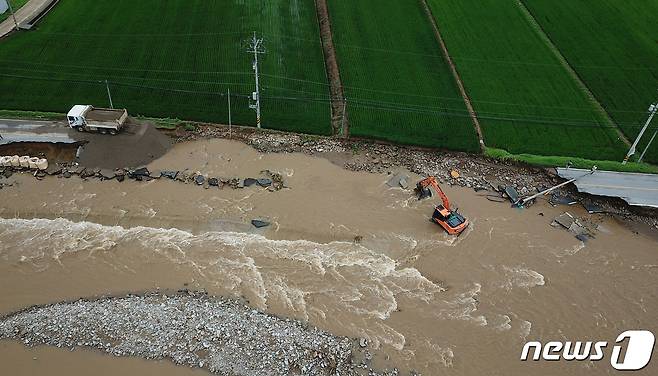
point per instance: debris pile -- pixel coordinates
(221, 335)
(582, 230)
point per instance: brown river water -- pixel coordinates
(426, 301)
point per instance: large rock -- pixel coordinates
(53, 169)
(107, 174)
(248, 182)
(169, 174)
(259, 223)
(87, 173)
(264, 182)
(141, 172)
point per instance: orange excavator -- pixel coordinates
(453, 222)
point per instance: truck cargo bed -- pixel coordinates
(105, 114)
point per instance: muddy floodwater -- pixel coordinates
(345, 252)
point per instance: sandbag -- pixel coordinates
(33, 162)
(5, 161)
(15, 161)
(42, 164)
(24, 161)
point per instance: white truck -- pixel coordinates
(103, 120)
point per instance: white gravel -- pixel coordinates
(221, 335)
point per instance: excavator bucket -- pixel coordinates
(423, 191)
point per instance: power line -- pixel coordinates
(394, 93)
(345, 45)
(364, 103)
(163, 35)
(295, 79)
(99, 82)
(147, 70)
(410, 106)
(530, 63)
(132, 78)
(508, 62)
(486, 117)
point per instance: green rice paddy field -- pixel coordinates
(170, 59)
(526, 100)
(177, 59)
(613, 46)
(399, 87)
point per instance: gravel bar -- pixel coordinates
(221, 335)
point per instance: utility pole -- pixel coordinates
(11, 10)
(109, 95)
(256, 47)
(652, 112)
(342, 120)
(228, 94)
(522, 202)
(649, 144)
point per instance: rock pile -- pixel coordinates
(221, 335)
(273, 181)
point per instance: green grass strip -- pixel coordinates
(31, 115)
(556, 161)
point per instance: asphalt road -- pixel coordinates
(26, 13)
(34, 131)
(636, 189)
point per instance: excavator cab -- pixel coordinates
(451, 221)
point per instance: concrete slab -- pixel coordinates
(636, 189)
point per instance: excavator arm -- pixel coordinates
(425, 184)
(453, 222)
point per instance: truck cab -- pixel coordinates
(76, 116)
